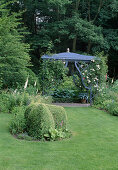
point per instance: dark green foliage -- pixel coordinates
(38, 120)
(89, 26)
(60, 117)
(14, 57)
(18, 124)
(65, 95)
(66, 91)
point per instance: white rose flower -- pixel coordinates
(89, 81)
(96, 78)
(92, 69)
(98, 66)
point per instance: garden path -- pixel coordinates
(72, 104)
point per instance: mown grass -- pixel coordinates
(93, 146)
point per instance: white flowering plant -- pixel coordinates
(94, 74)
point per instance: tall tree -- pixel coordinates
(84, 26)
(14, 57)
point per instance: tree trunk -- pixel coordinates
(74, 44)
(89, 47)
(75, 39)
(89, 10)
(98, 11)
(77, 5)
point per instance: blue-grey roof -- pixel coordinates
(68, 56)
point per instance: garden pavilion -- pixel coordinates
(69, 57)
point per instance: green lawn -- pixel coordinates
(93, 146)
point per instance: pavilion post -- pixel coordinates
(88, 88)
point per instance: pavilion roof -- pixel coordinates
(68, 56)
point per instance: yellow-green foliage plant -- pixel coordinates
(59, 115)
(38, 120)
(41, 99)
(17, 124)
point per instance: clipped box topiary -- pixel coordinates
(59, 115)
(38, 120)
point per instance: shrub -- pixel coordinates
(31, 90)
(4, 102)
(38, 120)
(108, 98)
(106, 104)
(113, 108)
(68, 83)
(18, 123)
(10, 100)
(59, 115)
(51, 75)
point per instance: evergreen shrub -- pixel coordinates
(59, 115)
(38, 120)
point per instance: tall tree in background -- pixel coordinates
(14, 57)
(83, 26)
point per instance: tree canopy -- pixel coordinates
(84, 26)
(14, 57)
